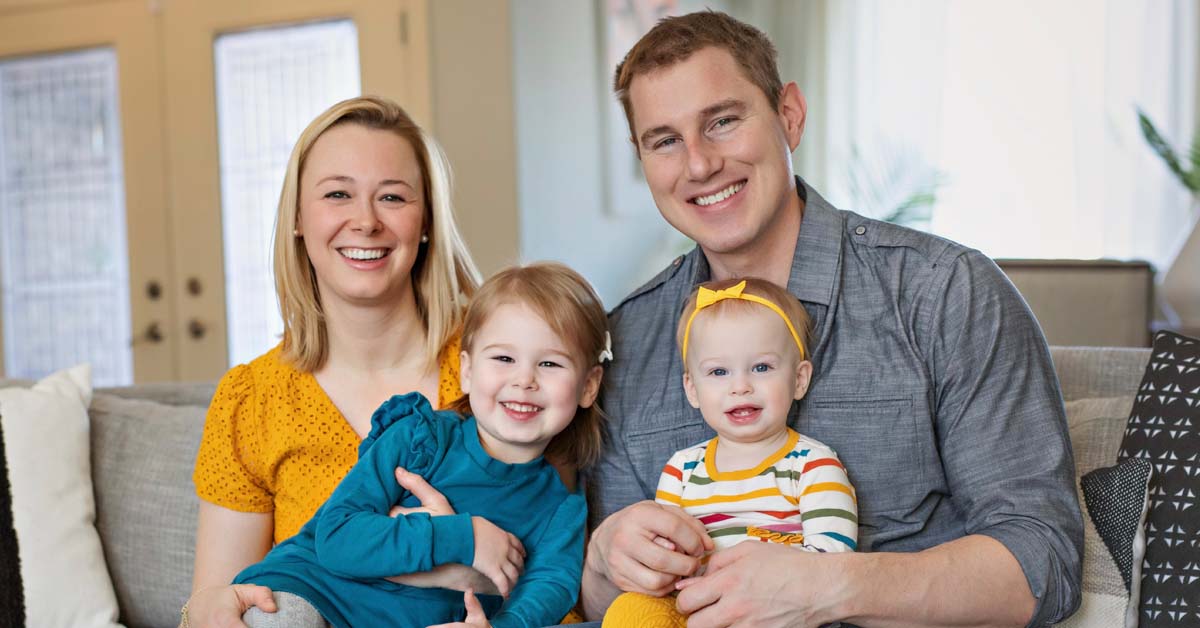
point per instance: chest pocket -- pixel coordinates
(650, 448)
(888, 447)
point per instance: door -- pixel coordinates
(83, 248)
(142, 147)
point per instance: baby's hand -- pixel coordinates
(475, 617)
(498, 555)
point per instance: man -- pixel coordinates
(932, 380)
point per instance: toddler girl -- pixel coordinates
(745, 361)
(534, 339)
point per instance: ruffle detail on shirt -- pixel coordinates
(415, 407)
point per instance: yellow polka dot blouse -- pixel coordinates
(274, 442)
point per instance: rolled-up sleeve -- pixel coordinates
(1002, 429)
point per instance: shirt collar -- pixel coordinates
(817, 256)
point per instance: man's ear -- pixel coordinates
(793, 111)
(591, 387)
(464, 372)
(690, 389)
(803, 377)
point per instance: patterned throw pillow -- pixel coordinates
(1164, 428)
(1114, 501)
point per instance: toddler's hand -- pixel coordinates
(475, 617)
(498, 554)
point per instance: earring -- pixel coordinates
(424, 238)
(296, 232)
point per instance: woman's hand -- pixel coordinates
(223, 606)
(475, 617)
(499, 555)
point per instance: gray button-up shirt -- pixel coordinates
(932, 381)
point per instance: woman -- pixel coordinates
(371, 274)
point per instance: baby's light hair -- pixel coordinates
(757, 287)
(569, 305)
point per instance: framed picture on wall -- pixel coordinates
(622, 23)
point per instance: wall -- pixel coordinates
(473, 119)
(560, 164)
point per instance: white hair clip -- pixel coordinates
(606, 354)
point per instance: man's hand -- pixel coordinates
(499, 555)
(223, 606)
(475, 617)
(647, 547)
(763, 585)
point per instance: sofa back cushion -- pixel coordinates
(146, 505)
(1097, 372)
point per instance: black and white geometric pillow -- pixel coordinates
(1164, 429)
(1117, 500)
(12, 598)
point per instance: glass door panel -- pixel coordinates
(64, 272)
(270, 83)
(83, 254)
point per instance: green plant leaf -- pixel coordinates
(1164, 150)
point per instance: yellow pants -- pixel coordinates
(638, 610)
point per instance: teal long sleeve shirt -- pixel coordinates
(338, 560)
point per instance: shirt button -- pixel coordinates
(859, 230)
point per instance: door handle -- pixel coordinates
(153, 334)
(196, 329)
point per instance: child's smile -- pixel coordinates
(525, 384)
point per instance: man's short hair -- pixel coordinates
(674, 39)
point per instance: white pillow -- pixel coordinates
(45, 431)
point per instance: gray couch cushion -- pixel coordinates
(142, 457)
(1086, 372)
(191, 394)
(1097, 426)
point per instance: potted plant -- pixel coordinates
(1181, 281)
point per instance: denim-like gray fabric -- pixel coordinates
(932, 381)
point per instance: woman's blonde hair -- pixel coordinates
(569, 305)
(444, 275)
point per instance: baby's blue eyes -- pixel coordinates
(761, 367)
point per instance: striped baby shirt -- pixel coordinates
(798, 496)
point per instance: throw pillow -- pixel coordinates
(146, 506)
(62, 576)
(1114, 502)
(1164, 429)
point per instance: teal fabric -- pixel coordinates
(339, 558)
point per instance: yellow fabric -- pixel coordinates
(572, 617)
(274, 442)
(638, 610)
(706, 297)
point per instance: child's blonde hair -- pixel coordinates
(569, 305)
(757, 287)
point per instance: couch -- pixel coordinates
(144, 439)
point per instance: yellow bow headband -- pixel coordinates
(706, 297)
